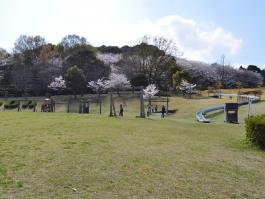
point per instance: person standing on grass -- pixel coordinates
(163, 111)
(156, 108)
(121, 110)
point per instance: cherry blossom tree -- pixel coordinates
(148, 93)
(118, 82)
(58, 84)
(186, 88)
(98, 86)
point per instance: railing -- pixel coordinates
(201, 115)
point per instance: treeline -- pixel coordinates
(34, 63)
(221, 75)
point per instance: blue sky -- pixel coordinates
(202, 29)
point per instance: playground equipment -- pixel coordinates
(84, 106)
(214, 92)
(231, 112)
(48, 105)
(154, 109)
(201, 115)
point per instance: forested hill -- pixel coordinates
(34, 63)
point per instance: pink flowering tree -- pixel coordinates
(98, 86)
(58, 84)
(148, 93)
(186, 88)
(118, 82)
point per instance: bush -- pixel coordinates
(1, 103)
(32, 105)
(255, 127)
(26, 104)
(139, 80)
(29, 104)
(11, 104)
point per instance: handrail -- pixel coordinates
(201, 115)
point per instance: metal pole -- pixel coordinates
(249, 107)
(225, 116)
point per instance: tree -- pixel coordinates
(263, 75)
(249, 79)
(33, 70)
(3, 54)
(58, 84)
(254, 68)
(156, 59)
(139, 80)
(85, 58)
(26, 43)
(178, 76)
(75, 80)
(71, 41)
(148, 93)
(109, 49)
(98, 86)
(186, 88)
(202, 74)
(118, 82)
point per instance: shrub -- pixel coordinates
(26, 104)
(32, 105)
(29, 104)
(1, 103)
(255, 127)
(11, 104)
(139, 80)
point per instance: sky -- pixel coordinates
(203, 30)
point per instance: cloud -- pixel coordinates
(112, 24)
(197, 42)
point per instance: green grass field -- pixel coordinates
(60, 155)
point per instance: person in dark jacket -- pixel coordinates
(121, 110)
(163, 111)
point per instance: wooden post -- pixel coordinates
(18, 107)
(111, 105)
(68, 107)
(114, 110)
(149, 107)
(100, 106)
(142, 112)
(167, 102)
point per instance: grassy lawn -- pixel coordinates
(60, 155)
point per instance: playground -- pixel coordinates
(96, 156)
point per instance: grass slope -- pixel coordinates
(59, 155)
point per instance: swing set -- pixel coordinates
(154, 106)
